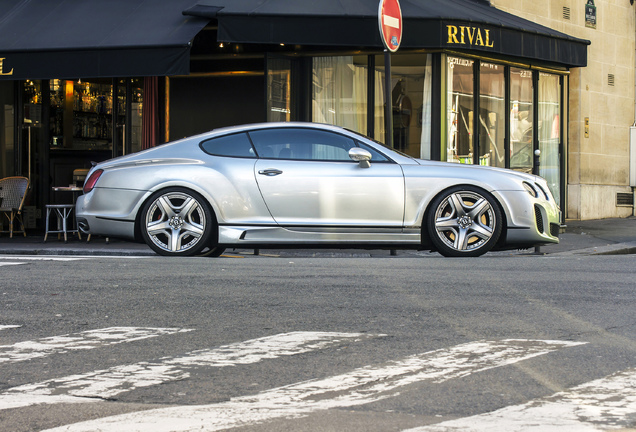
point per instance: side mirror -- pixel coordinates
(361, 156)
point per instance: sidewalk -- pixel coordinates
(604, 236)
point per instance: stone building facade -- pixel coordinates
(601, 101)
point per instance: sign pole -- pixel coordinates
(390, 26)
(388, 100)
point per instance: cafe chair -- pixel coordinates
(12, 193)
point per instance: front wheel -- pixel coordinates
(464, 221)
(177, 222)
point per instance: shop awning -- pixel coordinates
(42, 39)
(472, 25)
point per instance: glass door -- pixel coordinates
(549, 128)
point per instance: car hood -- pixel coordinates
(459, 166)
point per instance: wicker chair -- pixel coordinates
(12, 193)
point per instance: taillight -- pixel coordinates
(89, 184)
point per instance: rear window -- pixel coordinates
(235, 145)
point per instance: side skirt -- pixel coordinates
(294, 236)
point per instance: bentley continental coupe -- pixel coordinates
(306, 185)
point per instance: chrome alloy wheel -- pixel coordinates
(465, 222)
(176, 222)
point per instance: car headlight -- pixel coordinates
(530, 189)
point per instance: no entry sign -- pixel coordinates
(390, 21)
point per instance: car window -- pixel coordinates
(301, 144)
(376, 156)
(235, 145)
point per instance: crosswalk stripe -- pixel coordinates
(108, 383)
(599, 405)
(90, 339)
(361, 386)
(5, 327)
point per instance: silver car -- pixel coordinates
(309, 185)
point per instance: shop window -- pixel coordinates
(7, 119)
(521, 131)
(550, 131)
(379, 127)
(460, 107)
(129, 128)
(81, 114)
(136, 117)
(339, 91)
(278, 90)
(340, 96)
(411, 102)
(89, 115)
(492, 117)
(32, 133)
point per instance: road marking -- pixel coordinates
(90, 339)
(40, 258)
(362, 386)
(67, 258)
(89, 387)
(10, 263)
(601, 405)
(4, 327)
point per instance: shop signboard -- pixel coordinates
(590, 14)
(390, 23)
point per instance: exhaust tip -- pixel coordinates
(83, 226)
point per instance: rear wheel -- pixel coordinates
(464, 221)
(177, 222)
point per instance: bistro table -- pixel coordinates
(64, 214)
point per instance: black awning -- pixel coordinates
(448, 24)
(42, 39)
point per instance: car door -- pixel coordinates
(306, 178)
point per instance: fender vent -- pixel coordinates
(539, 219)
(624, 199)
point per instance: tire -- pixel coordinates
(177, 222)
(212, 252)
(464, 221)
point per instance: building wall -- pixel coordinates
(598, 164)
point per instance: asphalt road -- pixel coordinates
(318, 344)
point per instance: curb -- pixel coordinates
(612, 249)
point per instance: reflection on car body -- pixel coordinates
(310, 185)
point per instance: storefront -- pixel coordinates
(470, 84)
(75, 80)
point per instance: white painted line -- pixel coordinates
(4, 327)
(605, 404)
(391, 21)
(39, 258)
(90, 339)
(10, 263)
(68, 258)
(362, 386)
(269, 347)
(108, 383)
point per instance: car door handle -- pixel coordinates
(270, 172)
